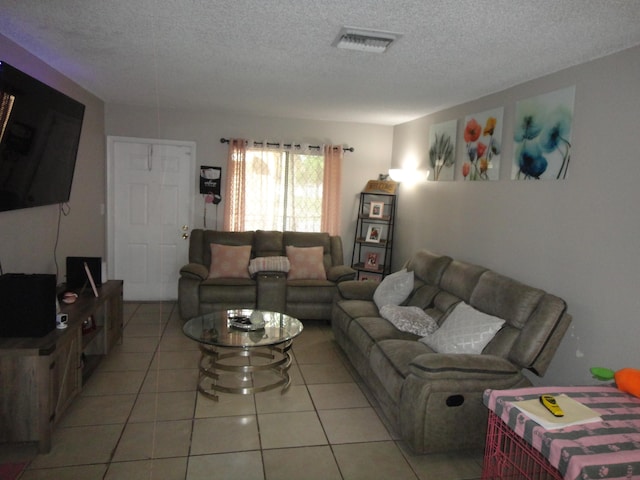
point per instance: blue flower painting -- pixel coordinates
(542, 136)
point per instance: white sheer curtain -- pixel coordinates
(275, 187)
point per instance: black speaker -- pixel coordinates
(27, 305)
(77, 275)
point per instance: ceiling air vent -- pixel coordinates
(365, 40)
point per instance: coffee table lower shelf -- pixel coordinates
(243, 370)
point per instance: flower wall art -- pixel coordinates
(442, 149)
(482, 139)
(542, 136)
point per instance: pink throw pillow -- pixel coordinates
(229, 261)
(306, 263)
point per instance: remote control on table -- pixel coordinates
(550, 404)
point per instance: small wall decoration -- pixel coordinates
(483, 141)
(381, 186)
(371, 262)
(374, 232)
(210, 182)
(442, 149)
(542, 136)
(376, 210)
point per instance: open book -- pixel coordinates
(575, 413)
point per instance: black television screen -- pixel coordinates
(39, 135)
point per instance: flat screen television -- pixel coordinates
(39, 135)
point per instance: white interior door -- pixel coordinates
(152, 190)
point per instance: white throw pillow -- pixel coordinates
(394, 289)
(409, 319)
(465, 330)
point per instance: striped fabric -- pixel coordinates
(601, 450)
(269, 264)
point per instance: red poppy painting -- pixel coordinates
(483, 144)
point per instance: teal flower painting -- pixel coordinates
(482, 139)
(542, 136)
(442, 149)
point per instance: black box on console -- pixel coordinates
(77, 275)
(27, 305)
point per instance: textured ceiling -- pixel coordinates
(274, 58)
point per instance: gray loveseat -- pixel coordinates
(267, 289)
(434, 400)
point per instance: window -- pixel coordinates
(289, 188)
(283, 191)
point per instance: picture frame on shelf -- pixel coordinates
(374, 233)
(376, 210)
(371, 261)
(370, 277)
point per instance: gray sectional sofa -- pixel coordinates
(434, 400)
(276, 290)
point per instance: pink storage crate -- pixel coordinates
(507, 456)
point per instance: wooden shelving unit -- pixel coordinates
(373, 243)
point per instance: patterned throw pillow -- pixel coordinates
(269, 264)
(465, 330)
(409, 319)
(229, 261)
(306, 263)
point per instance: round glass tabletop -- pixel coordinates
(256, 328)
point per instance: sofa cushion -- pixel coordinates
(460, 278)
(311, 239)
(390, 360)
(200, 241)
(428, 266)
(506, 298)
(409, 319)
(365, 331)
(394, 289)
(228, 290)
(267, 243)
(464, 330)
(229, 261)
(422, 295)
(306, 263)
(310, 291)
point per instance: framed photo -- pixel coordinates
(370, 277)
(374, 232)
(376, 210)
(371, 262)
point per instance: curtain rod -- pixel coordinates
(290, 145)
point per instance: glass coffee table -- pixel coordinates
(243, 351)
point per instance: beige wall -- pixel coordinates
(372, 143)
(28, 236)
(577, 238)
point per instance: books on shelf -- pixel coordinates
(575, 413)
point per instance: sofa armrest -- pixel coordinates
(461, 366)
(194, 270)
(357, 290)
(340, 273)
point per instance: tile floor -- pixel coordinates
(139, 416)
